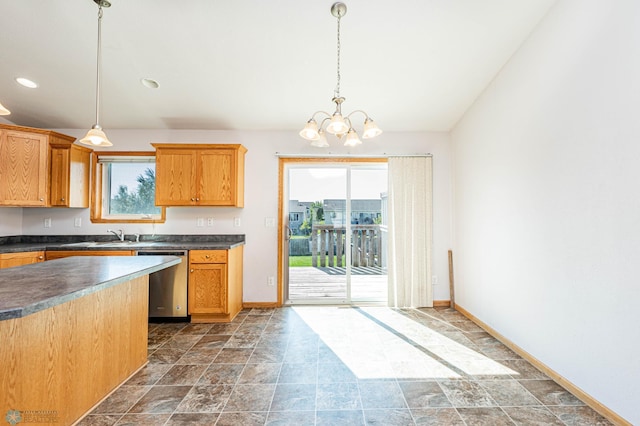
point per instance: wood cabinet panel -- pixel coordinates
(42, 168)
(176, 177)
(208, 256)
(70, 173)
(208, 288)
(216, 184)
(9, 260)
(200, 174)
(23, 169)
(215, 284)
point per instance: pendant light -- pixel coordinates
(336, 123)
(96, 136)
(4, 111)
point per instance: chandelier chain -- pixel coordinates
(337, 90)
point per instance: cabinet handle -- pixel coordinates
(191, 271)
(206, 255)
(40, 257)
(197, 199)
(62, 199)
(193, 199)
(41, 199)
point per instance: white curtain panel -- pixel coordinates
(410, 232)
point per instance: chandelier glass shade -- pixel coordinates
(96, 136)
(337, 124)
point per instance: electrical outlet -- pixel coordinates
(236, 221)
(209, 221)
(434, 279)
(77, 222)
(271, 281)
(47, 222)
(200, 222)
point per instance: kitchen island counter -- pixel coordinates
(72, 330)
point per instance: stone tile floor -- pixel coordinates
(337, 366)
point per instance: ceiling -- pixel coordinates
(413, 65)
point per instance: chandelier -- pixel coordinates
(336, 123)
(96, 136)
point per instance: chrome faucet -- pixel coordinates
(119, 234)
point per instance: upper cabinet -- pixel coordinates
(42, 168)
(200, 174)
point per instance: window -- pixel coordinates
(124, 188)
(294, 217)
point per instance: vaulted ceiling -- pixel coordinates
(413, 65)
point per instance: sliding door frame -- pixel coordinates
(282, 163)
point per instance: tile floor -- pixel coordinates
(337, 366)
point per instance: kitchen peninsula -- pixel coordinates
(71, 331)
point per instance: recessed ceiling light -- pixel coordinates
(150, 83)
(26, 82)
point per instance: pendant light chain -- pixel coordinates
(98, 62)
(337, 91)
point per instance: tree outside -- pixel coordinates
(139, 201)
(316, 216)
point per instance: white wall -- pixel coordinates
(547, 200)
(261, 196)
(10, 221)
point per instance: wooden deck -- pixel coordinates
(324, 284)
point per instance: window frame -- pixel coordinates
(97, 189)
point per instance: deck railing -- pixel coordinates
(328, 245)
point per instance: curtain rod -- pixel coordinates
(330, 155)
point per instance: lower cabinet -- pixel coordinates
(215, 284)
(54, 254)
(7, 260)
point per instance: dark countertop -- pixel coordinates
(109, 242)
(28, 289)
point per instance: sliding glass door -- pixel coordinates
(335, 232)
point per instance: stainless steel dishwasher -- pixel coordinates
(168, 287)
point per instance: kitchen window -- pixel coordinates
(124, 188)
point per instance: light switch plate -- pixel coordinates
(270, 222)
(77, 222)
(236, 221)
(47, 222)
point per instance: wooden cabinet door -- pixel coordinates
(23, 169)
(216, 179)
(8, 260)
(208, 288)
(175, 177)
(70, 165)
(59, 195)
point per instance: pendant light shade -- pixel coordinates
(96, 136)
(371, 130)
(4, 111)
(321, 142)
(310, 131)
